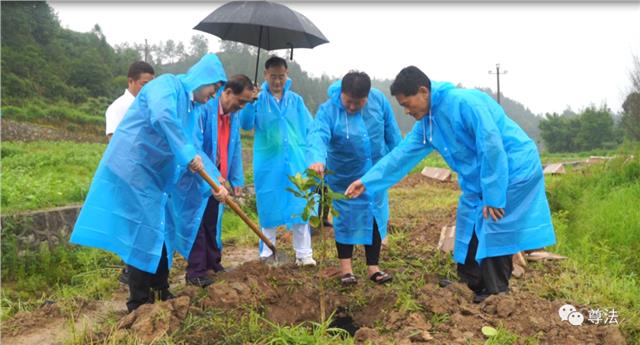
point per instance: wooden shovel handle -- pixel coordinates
(232, 204)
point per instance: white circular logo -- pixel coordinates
(576, 318)
(565, 310)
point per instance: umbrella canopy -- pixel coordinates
(264, 24)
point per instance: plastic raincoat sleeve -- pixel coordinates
(392, 136)
(248, 116)
(236, 171)
(319, 138)
(397, 163)
(164, 118)
(494, 169)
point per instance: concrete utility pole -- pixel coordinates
(146, 51)
(497, 73)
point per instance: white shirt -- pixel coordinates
(117, 109)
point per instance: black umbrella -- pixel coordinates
(263, 24)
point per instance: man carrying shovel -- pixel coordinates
(503, 208)
(219, 136)
(127, 210)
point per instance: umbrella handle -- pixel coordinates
(232, 204)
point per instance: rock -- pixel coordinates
(365, 334)
(506, 306)
(418, 321)
(152, 321)
(421, 336)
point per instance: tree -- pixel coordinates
(169, 50)
(596, 129)
(630, 121)
(199, 46)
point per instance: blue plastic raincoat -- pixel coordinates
(209, 140)
(497, 165)
(349, 145)
(127, 211)
(279, 150)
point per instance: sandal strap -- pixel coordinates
(380, 274)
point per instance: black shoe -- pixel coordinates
(202, 282)
(163, 295)
(124, 277)
(479, 297)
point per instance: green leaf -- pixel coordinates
(312, 173)
(335, 213)
(305, 214)
(489, 331)
(299, 195)
(314, 221)
(336, 196)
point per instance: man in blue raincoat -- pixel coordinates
(219, 136)
(127, 210)
(352, 131)
(503, 208)
(281, 122)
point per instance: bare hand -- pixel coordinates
(256, 92)
(355, 189)
(222, 194)
(317, 167)
(496, 213)
(196, 164)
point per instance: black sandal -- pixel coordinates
(381, 277)
(348, 279)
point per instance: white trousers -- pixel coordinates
(301, 241)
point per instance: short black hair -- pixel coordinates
(238, 83)
(139, 67)
(408, 81)
(275, 61)
(356, 84)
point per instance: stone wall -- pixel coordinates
(31, 229)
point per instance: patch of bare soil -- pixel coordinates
(413, 180)
(27, 131)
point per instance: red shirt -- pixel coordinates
(224, 134)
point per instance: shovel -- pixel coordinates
(279, 258)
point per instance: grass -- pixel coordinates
(87, 116)
(46, 174)
(64, 273)
(433, 160)
(596, 220)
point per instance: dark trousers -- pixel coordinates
(372, 252)
(141, 283)
(491, 276)
(205, 254)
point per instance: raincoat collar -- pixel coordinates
(207, 71)
(287, 86)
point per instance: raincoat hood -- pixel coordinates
(438, 90)
(334, 92)
(207, 71)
